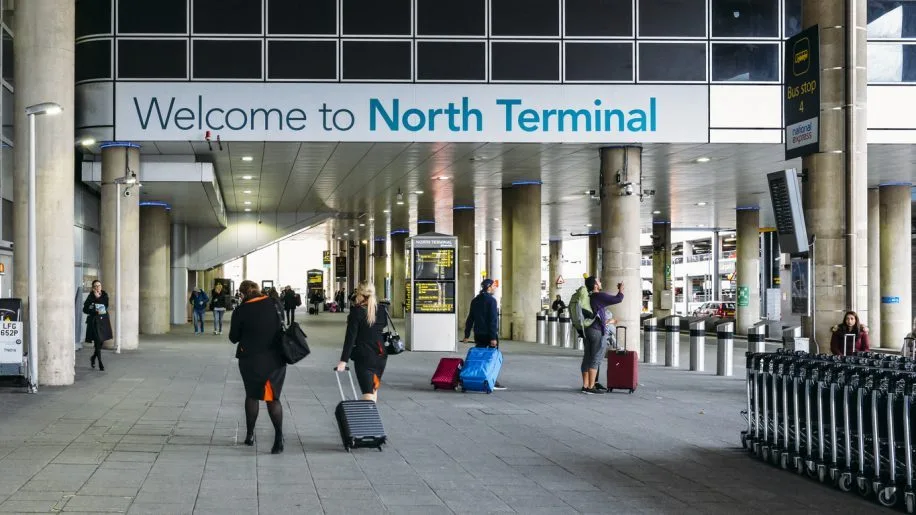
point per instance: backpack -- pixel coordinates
(580, 313)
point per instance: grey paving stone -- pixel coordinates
(30, 506)
(98, 504)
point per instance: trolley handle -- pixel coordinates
(619, 327)
(340, 386)
(847, 338)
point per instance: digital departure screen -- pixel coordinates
(434, 264)
(434, 297)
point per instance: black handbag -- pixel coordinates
(292, 341)
(393, 343)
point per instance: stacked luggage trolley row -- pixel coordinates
(845, 420)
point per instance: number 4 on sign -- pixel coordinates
(801, 106)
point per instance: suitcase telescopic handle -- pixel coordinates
(619, 327)
(846, 339)
(340, 386)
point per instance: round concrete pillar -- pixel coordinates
(594, 242)
(620, 232)
(398, 273)
(522, 261)
(154, 270)
(747, 268)
(43, 60)
(380, 262)
(555, 265)
(463, 225)
(661, 266)
(896, 265)
(874, 272)
(179, 271)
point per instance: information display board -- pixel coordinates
(434, 297)
(11, 348)
(434, 264)
(326, 258)
(340, 267)
(315, 281)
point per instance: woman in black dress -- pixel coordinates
(255, 327)
(364, 342)
(98, 325)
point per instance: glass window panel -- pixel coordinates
(376, 17)
(599, 18)
(599, 61)
(301, 17)
(447, 60)
(159, 17)
(222, 59)
(745, 62)
(891, 19)
(9, 108)
(891, 62)
(745, 18)
(92, 17)
(227, 16)
(525, 61)
(672, 62)
(93, 60)
(376, 60)
(152, 59)
(452, 17)
(525, 17)
(792, 11)
(672, 18)
(8, 59)
(302, 60)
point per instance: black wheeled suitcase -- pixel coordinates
(359, 421)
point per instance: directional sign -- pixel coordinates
(802, 101)
(11, 343)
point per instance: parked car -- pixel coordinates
(717, 308)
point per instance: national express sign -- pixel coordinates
(410, 112)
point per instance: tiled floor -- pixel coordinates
(159, 432)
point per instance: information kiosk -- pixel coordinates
(315, 282)
(431, 316)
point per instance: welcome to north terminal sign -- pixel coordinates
(412, 112)
(803, 95)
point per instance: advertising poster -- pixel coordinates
(801, 287)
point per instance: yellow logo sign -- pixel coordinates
(801, 60)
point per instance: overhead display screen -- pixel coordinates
(434, 297)
(434, 264)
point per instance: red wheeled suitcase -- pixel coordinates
(446, 376)
(622, 368)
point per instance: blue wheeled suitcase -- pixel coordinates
(481, 368)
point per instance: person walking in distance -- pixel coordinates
(219, 301)
(290, 299)
(198, 302)
(98, 325)
(254, 327)
(597, 334)
(483, 318)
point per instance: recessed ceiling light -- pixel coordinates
(247, 177)
(419, 192)
(362, 225)
(352, 230)
(702, 225)
(247, 192)
(656, 212)
(703, 160)
(87, 142)
(588, 225)
(442, 178)
(496, 219)
(247, 158)
(247, 209)
(372, 219)
(386, 211)
(701, 204)
(247, 202)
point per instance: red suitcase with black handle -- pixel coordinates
(446, 376)
(622, 366)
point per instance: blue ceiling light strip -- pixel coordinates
(399, 231)
(661, 222)
(884, 184)
(526, 183)
(748, 208)
(463, 208)
(156, 203)
(426, 221)
(119, 144)
(380, 239)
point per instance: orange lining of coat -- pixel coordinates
(268, 391)
(256, 299)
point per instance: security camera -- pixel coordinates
(627, 189)
(260, 221)
(126, 193)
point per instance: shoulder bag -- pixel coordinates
(393, 343)
(292, 341)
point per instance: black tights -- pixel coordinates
(274, 410)
(97, 354)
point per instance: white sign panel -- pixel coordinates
(801, 134)
(412, 112)
(11, 343)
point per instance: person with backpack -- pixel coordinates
(595, 330)
(483, 318)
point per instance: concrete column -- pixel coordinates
(43, 60)
(505, 302)
(594, 241)
(522, 261)
(363, 261)
(380, 258)
(245, 266)
(716, 270)
(620, 230)
(826, 205)
(896, 262)
(179, 267)
(747, 267)
(874, 272)
(154, 270)
(661, 266)
(398, 273)
(425, 226)
(555, 265)
(463, 227)
(490, 259)
(116, 159)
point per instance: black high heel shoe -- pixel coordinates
(249, 439)
(278, 445)
(92, 361)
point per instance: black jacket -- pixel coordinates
(91, 301)
(289, 299)
(362, 340)
(483, 317)
(98, 328)
(219, 300)
(255, 327)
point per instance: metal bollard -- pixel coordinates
(725, 351)
(698, 346)
(552, 329)
(578, 342)
(566, 332)
(756, 341)
(673, 341)
(789, 338)
(541, 329)
(650, 341)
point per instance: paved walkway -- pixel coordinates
(160, 432)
